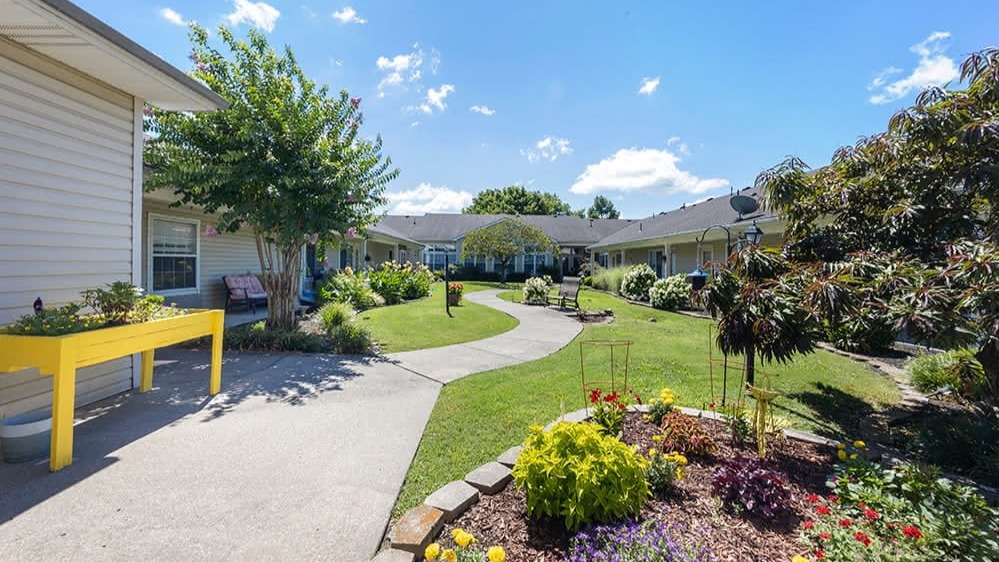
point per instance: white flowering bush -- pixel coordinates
(536, 289)
(670, 293)
(637, 282)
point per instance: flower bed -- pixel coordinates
(696, 526)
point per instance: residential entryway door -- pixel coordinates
(656, 262)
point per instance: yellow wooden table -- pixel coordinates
(61, 356)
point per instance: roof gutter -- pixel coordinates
(599, 246)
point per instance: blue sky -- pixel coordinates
(651, 104)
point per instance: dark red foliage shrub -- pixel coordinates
(747, 485)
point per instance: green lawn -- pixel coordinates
(478, 417)
(423, 323)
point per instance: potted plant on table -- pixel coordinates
(454, 292)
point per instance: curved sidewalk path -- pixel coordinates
(300, 457)
(541, 332)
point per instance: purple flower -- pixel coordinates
(356, 102)
(147, 111)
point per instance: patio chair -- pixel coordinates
(568, 292)
(244, 290)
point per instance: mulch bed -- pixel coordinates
(502, 519)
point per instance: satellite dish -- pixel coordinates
(743, 204)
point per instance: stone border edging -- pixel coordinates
(419, 526)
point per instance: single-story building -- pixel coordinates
(683, 239)
(71, 109)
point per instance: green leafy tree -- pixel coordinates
(602, 208)
(285, 160)
(922, 195)
(505, 240)
(757, 300)
(517, 200)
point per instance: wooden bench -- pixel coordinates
(244, 290)
(568, 292)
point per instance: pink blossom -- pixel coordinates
(351, 233)
(243, 224)
(356, 102)
(210, 231)
(326, 262)
(147, 111)
(312, 238)
(201, 66)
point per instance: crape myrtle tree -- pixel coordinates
(919, 201)
(285, 160)
(504, 240)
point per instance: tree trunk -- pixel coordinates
(751, 366)
(281, 284)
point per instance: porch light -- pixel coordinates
(753, 234)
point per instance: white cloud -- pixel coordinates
(934, 69)
(401, 69)
(548, 148)
(637, 169)
(348, 15)
(172, 16)
(435, 98)
(649, 86)
(426, 198)
(681, 147)
(309, 12)
(414, 124)
(258, 14)
(483, 109)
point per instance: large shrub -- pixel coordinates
(395, 281)
(670, 293)
(609, 279)
(350, 287)
(599, 478)
(637, 282)
(536, 290)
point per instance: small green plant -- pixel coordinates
(664, 470)
(747, 485)
(637, 282)
(257, 337)
(150, 307)
(600, 478)
(351, 338)
(608, 410)
(737, 419)
(660, 406)
(536, 290)
(684, 434)
(670, 293)
(333, 314)
(115, 303)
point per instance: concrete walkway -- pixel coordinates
(541, 332)
(301, 457)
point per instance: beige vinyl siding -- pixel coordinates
(66, 184)
(225, 254)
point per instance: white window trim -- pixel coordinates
(706, 252)
(653, 262)
(196, 290)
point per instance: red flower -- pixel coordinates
(612, 397)
(912, 531)
(809, 524)
(711, 405)
(871, 514)
(819, 554)
(834, 498)
(822, 510)
(594, 396)
(844, 523)
(813, 498)
(621, 406)
(861, 537)
(862, 505)
(825, 536)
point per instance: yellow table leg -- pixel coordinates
(63, 404)
(218, 328)
(146, 382)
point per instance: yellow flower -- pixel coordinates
(457, 531)
(646, 417)
(449, 555)
(657, 438)
(840, 446)
(841, 454)
(432, 551)
(799, 558)
(859, 444)
(652, 452)
(464, 539)
(496, 554)
(853, 457)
